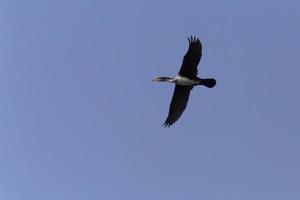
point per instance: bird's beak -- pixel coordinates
(156, 80)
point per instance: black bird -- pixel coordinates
(185, 81)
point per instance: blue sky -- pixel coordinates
(81, 119)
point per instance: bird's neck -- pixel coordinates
(164, 79)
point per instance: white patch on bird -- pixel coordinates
(179, 80)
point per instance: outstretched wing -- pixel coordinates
(178, 104)
(191, 58)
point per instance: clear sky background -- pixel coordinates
(80, 118)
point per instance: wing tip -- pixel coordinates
(167, 124)
(193, 39)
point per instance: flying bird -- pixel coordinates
(185, 81)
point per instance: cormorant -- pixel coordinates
(185, 81)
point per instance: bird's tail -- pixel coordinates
(208, 82)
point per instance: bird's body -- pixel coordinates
(179, 80)
(185, 81)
